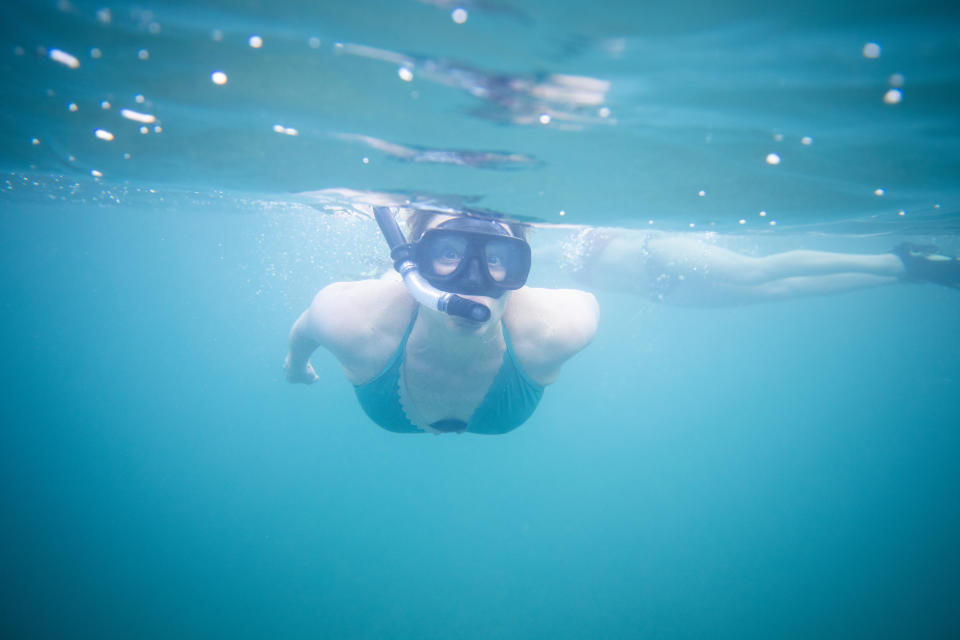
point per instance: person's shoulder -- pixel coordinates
(362, 291)
(555, 307)
(552, 324)
(344, 312)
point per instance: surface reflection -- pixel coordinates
(463, 158)
(554, 99)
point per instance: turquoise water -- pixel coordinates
(779, 470)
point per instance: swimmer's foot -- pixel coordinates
(925, 263)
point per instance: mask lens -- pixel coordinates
(499, 260)
(508, 261)
(443, 254)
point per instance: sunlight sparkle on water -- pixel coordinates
(143, 54)
(405, 74)
(871, 50)
(545, 118)
(879, 191)
(255, 41)
(103, 134)
(64, 58)
(218, 77)
(136, 116)
(806, 140)
(773, 158)
(893, 96)
(459, 15)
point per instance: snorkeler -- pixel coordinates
(459, 344)
(686, 270)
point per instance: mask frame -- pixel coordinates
(472, 274)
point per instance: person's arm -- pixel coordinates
(326, 323)
(550, 326)
(359, 322)
(303, 343)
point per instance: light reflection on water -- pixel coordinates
(703, 127)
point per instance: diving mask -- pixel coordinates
(472, 256)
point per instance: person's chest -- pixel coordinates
(435, 390)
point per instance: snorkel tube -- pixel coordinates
(422, 291)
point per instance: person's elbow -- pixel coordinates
(584, 320)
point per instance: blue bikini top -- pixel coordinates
(509, 402)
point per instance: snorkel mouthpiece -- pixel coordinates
(464, 308)
(422, 291)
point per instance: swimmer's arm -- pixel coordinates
(297, 365)
(312, 329)
(564, 322)
(359, 322)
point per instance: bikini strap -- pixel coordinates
(512, 356)
(406, 334)
(401, 350)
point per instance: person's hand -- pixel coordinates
(305, 375)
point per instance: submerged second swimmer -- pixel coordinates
(461, 344)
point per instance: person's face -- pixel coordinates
(447, 258)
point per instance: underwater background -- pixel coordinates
(782, 470)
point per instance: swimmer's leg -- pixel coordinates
(724, 294)
(694, 258)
